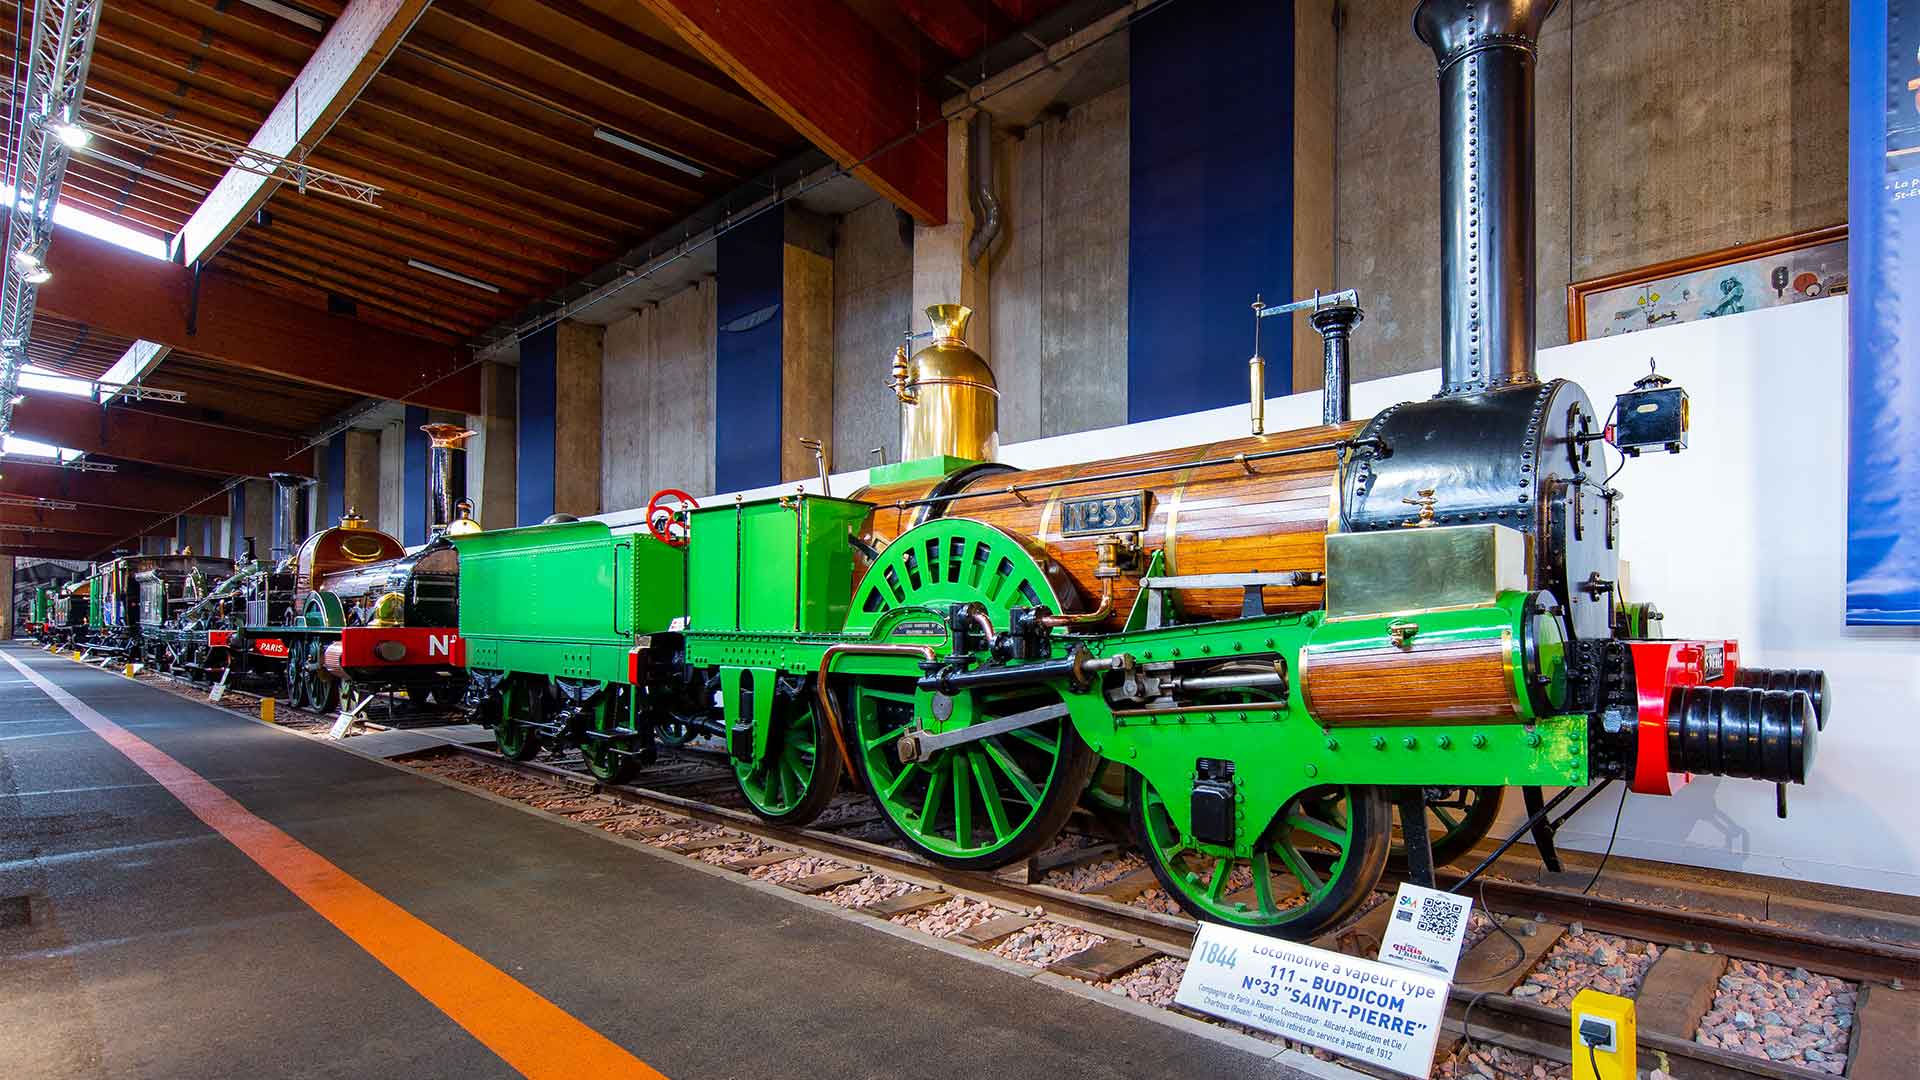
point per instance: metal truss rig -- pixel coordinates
(130, 127)
(56, 74)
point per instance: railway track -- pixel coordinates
(1490, 1004)
(691, 792)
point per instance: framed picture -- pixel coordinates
(1768, 273)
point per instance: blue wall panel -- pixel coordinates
(414, 478)
(1211, 196)
(1883, 197)
(335, 507)
(533, 470)
(747, 354)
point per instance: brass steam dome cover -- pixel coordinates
(949, 359)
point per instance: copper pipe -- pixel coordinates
(985, 624)
(825, 697)
(1098, 614)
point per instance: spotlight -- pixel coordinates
(38, 276)
(27, 261)
(75, 136)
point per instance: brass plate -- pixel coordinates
(1097, 515)
(1400, 570)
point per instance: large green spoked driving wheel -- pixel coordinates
(979, 804)
(1457, 819)
(1313, 865)
(800, 772)
(519, 702)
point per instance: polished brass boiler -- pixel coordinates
(948, 403)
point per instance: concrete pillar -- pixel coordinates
(1315, 34)
(941, 273)
(390, 515)
(491, 453)
(259, 517)
(360, 479)
(6, 597)
(577, 418)
(806, 342)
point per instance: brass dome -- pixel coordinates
(950, 405)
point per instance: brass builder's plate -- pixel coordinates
(1091, 515)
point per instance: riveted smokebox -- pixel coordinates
(1486, 52)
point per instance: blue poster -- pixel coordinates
(1883, 452)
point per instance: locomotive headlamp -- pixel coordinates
(1651, 417)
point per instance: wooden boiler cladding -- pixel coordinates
(1422, 683)
(1264, 516)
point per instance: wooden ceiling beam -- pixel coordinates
(51, 546)
(91, 520)
(157, 20)
(113, 208)
(348, 242)
(473, 220)
(660, 53)
(954, 28)
(379, 279)
(278, 285)
(308, 273)
(124, 293)
(150, 438)
(131, 488)
(126, 44)
(355, 47)
(646, 104)
(834, 79)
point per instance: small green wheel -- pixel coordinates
(800, 772)
(605, 761)
(1312, 866)
(1457, 819)
(519, 702)
(674, 732)
(296, 686)
(974, 805)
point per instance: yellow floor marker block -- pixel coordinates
(1603, 1036)
(76, 654)
(128, 671)
(266, 709)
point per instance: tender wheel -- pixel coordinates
(518, 704)
(323, 691)
(613, 761)
(1314, 864)
(296, 676)
(1457, 819)
(975, 805)
(800, 772)
(606, 763)
(674, 733)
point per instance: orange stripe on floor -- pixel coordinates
(530, 1033)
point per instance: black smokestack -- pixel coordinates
(1486, 51)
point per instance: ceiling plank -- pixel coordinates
(351, 53)
(854, 108)
(153, 439)
(93, 520)
(157, 491)
(128, 294)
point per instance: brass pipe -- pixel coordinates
(1257, 387)
(825, 697)
(1098, 614)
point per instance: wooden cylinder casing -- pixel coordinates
(1424, 682)
(1268, 515)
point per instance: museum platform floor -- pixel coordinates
(192, 894)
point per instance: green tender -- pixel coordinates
(565, 600)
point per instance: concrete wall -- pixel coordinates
(362, 479)
(492, 454)
(657, 400)
(577, 418)
(872, 307)
(1656, 141)
(1059, 276)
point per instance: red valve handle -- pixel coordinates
(662, 521)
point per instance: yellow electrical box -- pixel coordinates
(1603, 1036)
(266, 710)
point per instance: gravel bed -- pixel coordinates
(1156, 899)
(1789, 1015)
(949, 918)
(1582, 958)
(746, 849)
(844, 810)
(1044, 942)
(794, 869)
(645, 819)
(1154, 983)
(867, 891)
(1498, 1063)
(686, 835)
(1093, 875)
(593, 815)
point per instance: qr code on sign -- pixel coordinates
(1439, 917)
